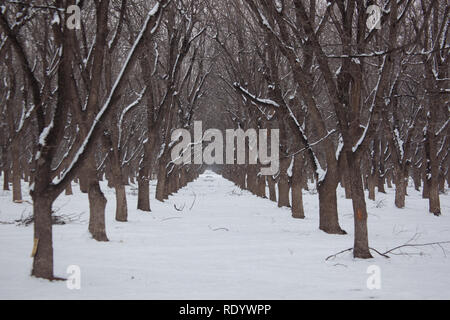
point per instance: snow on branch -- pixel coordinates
(265, 102)
(156, 11)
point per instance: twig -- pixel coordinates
(218, 229)
(391, 251)
(418, 245)
(171, 218)
(193, 203)
(181, 209)
(335, 255)
(381, 254)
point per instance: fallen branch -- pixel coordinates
(340, 252)
(179, 209)
(171, 218)
(219, 229)
(418, 245)
(385, 254)
(56, 219)
(4, 222)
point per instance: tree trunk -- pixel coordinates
(84, 181)
(283, 191)
(417, 179)
(17, 187)
(43, 252)
(328, 214)
(6, 179)
(272, 190)
(426, 187)
(97, 200)
(143, 194)
(371, 185)
(161, 184)
(283, 184)
(97, 205)
(69, 191)
(261, 183)
(381, 188)
(400, 189)
(345, 178)
(252, 184)
(144, 175)
(361, 242)
(388, 180)
(297, 196)
(121, 203)
(432, 173)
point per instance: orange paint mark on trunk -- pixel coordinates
(359, 214)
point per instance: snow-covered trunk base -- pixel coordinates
(69, 190)
(251, 179)
(84, 181)
(97, 205)
(183, 181)
(328, 214)
(121, 203)
(174, 181)
(283, 191)
(434, 202)
(43, 246)
(241, 178)
(261, 182)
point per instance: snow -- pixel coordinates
(259, 100)
(43, 137)
(291, 167)
(340, 147)
(231, 245)
(399, 142)
(55, 19)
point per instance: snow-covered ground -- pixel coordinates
(228, 244)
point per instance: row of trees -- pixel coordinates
(96, 102)
(361, 107)
(355, 106)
